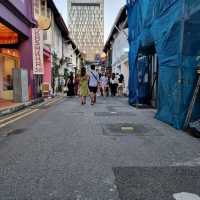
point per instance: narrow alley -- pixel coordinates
(100, 152)
(99, 100)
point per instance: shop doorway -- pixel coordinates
(153, 80)
(148, 76)
(38, 84)
(9, 60)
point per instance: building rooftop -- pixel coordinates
(121, 19)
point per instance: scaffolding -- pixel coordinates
(169, 29)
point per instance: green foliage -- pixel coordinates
(55, 69)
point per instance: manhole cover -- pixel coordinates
(113, 113)
(127, 128)
(15, 132)
(123, 129)
(157, 183)
(116, 107)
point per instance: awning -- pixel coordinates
(7, 36)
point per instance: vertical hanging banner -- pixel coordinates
(38, 62)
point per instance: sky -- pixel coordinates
(112, 8)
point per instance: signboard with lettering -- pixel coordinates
(38, 62)
(7, 35)
(43, 22)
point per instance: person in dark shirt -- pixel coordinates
(70, 85)
(120, 85)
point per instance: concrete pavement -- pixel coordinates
(66, 151)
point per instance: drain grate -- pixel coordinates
(113, 113)
(124, 129)
(15, 132)
(116, 107)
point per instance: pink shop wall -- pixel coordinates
(47, 69)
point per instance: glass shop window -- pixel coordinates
(9, 65)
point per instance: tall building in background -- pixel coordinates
(86, 25)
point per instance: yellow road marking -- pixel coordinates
(18, 118)
(12, 116)
(22, 112)
(38, 105)
(22, 115)
(53, 102)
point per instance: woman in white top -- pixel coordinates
(121, 85)
(104, 84)
(93, 84)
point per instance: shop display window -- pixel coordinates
(9, 65)
(9, 60)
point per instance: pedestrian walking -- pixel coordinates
(70, 85)
(104, 84)
(121, 85)
(113, 85)
(93, 84)
(83, 85)
(108, 88)
(99, 89)
(76, 85)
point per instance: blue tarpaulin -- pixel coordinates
(173, 27)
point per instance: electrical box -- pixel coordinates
(20, 85)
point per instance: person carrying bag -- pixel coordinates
(93, 84)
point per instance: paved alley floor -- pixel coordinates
(110, 151)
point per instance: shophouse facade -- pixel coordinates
(56, 44)
(55, 37)
(73, 56)
(16, 56)
(117, 47)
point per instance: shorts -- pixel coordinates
(121, 86)
(93, 89)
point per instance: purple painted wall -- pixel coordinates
(26, 61)
(10, 19)
(18, 14)
(21, 5)
(24, 6)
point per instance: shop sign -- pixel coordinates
(44, 22)
(7, 36)
(38, 62)
(10, 52)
